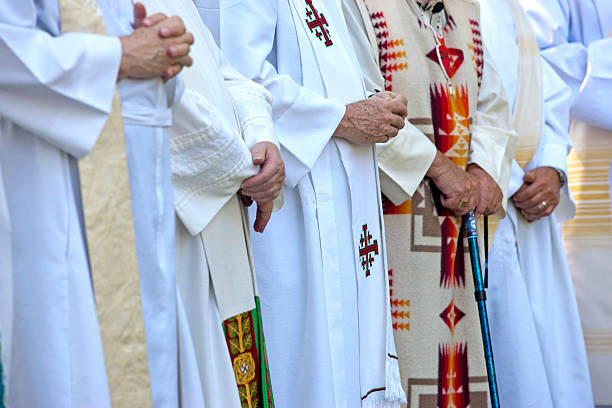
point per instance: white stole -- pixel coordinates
(225, 236)
(528, 107)
(345, 84)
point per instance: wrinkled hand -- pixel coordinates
(490, 194)
(158, 47)
(540, 193)
(373, 120)
(456, 186)
(265, 186)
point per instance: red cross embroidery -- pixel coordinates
(317, 22)
(366, 247)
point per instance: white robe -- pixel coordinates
(573, 38)
(219, 118)
(538, 346)
(6, 289)
(55, 96)
(305, 259)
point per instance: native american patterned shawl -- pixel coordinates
(247, 347)
(588, 239)
(435, 317)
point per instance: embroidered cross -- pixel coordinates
(317, 22)
(366, 247)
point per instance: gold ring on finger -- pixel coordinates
(463, 204)
(543, 204)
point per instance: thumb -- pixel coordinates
(140, 13)
(529, 177)
(259, 153)
(264, 212)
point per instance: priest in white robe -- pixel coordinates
(6, 290)
(539, 350)
(56, 93)
(321, 264)
(574, 37)
(222, 132)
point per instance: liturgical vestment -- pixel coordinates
(55, 96)
(573, 36)
(220, 116)
(321, 261)
(539, 349)
(435, 317)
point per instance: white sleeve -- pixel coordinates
(59, 88)
(253, 104)
(304, 121)
(209, 161)
(555, 142)
(587, 70)
(493, 140)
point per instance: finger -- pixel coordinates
(390, 131)
(246, 200)
(172, 27)
(140, 13)
(396, 121)
(178, 50)
(527, 194)
(154, 19)
(172, 71)
(268, 172)
(264, 212)
(537, 201)
(186, 61)
(266, 195)
(519, 191)
(529, 177)
(258, 151)
(399, 108)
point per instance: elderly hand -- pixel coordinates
(373, 120)
(540, 193)
(158, 47)
(490, 194)
(459, 190)
(265, 186)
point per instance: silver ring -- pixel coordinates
(543, 204)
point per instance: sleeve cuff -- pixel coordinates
(403, 163)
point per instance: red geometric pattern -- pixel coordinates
(392, 54)
(450, 116)
(400, 312)
(367, 247)
(452, 315)
(452, 58)
(453, 380)
(317, 23)
(477, 49)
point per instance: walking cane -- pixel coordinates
(481, 297)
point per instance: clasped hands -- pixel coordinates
(463, 191)
(540, 193)
(158, 47)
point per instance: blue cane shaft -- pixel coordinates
(480, 295)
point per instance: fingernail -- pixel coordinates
(165, 31)
(146, 21)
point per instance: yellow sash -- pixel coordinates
(527, 116)
(110, 236)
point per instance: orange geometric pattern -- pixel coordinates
(392, 53)
(399, 309)
(450, 116)
(453, 379)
